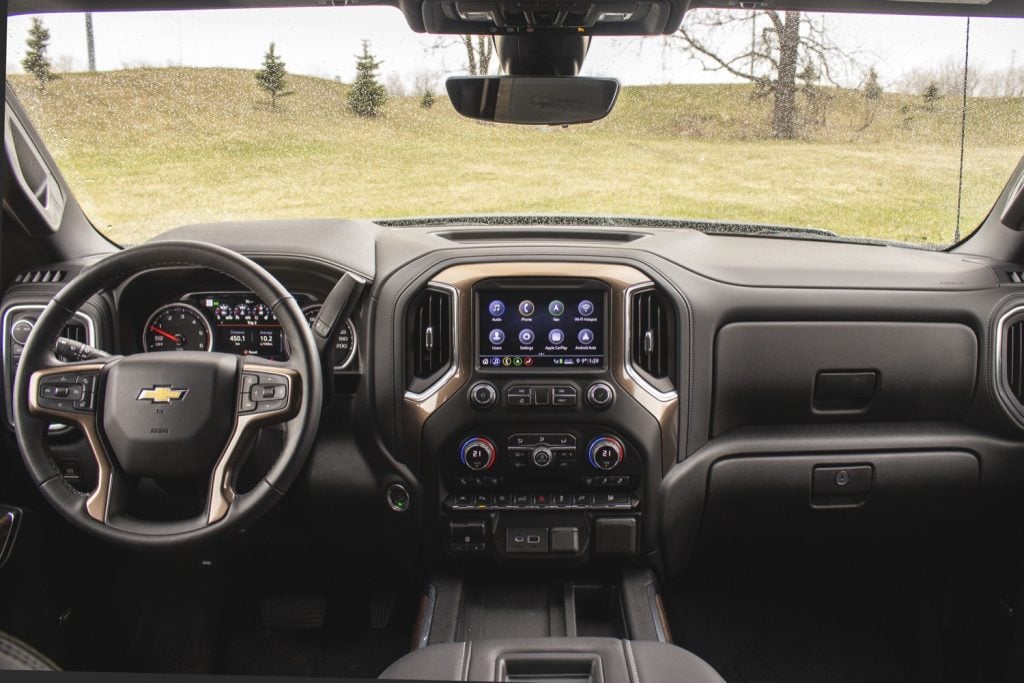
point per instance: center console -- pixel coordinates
(543, 440)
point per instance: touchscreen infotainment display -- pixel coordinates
(535, 327)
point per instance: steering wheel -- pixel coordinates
(172, 415)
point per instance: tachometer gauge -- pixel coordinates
(344, 345)
(177, 327)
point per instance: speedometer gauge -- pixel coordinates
(177, 327)
(344, 345)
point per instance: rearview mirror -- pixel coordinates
(533, 100)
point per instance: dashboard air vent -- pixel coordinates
(31, 277)
(653, 338)
(76, 331)
(1013, 359)
(429, 338)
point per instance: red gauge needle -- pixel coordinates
(164, 333)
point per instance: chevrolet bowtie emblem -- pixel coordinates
(162, 394)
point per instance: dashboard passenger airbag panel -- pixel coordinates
(814, 372)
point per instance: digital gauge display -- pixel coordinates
(244, 325)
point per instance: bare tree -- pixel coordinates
(780, 46)
(478, 54)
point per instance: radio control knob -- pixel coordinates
(542, 456)
(600, 395)
(605, 453)
(483, 395)
(477, 453)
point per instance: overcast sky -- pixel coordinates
(323, 42)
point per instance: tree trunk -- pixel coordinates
(90, 41)
(784, 106)
(484, 48)
(470, 55)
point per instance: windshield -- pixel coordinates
(864, 126)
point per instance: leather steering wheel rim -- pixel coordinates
(302, 370)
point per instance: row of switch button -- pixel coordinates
(521, 396)
(530, 501)
(69, 392)
(556, 440)
(615, 480)
(467, 480)
(262, 393)
(554, 458)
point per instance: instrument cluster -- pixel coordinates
(233, 322)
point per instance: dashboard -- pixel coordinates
(549, 397)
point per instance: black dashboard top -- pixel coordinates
(368, 249)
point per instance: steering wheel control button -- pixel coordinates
(605, 453)
(249, 380)
(483, 395)
(600, 395)
(246, 404)
(398, 498)
(477, 453)
(268, 392)
(68, 392)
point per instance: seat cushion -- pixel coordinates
(17, 656)
(608, 660)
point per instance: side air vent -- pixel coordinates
(76, 331)
(1013, 359)
(652, 336)
(429, 339)
(32, 277)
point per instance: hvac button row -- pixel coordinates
(521, 396)
(543, 501)
(542, 457)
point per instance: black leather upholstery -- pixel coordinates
(609, 660)
(17, 656)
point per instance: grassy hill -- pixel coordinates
(148, 149)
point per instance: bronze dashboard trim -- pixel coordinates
(623, 281)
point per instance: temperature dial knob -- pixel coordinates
(605, 453)
(477, 453)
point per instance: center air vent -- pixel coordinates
(652, 337)
(429, 338)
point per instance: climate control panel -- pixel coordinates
(567, 460)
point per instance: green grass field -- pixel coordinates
(149, 149)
